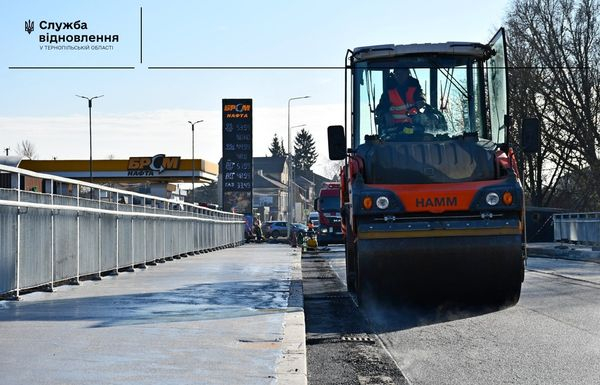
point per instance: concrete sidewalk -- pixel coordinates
(569, 251)
(233, 316)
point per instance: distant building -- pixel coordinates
(270, 189)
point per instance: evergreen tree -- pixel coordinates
(283, 153)
(305, 153)
(276, 148)
(207, 193)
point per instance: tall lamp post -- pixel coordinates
(289, 158)
(193, 161)
(90, 114)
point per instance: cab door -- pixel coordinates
(497, 80)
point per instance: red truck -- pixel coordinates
(330, 221)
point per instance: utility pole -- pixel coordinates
(90, 115)
(193, 160)
(290, 171)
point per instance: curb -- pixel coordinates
(291, 368)
(561, 251)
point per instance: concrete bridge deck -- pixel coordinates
(233, 316)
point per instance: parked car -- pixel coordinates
(276, 229)
(299, 228)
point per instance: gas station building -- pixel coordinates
(155, 175)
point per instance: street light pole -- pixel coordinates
(289, 159)
(292, 178)
(193, 161)
(90, 119)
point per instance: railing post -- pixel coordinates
(52, 235)
(18, 262)
(76, 280)
(117, 231)
(99, 236)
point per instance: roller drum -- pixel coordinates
(479, 268)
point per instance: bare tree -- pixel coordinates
(332, 169)
(554, 50)
(26, 149)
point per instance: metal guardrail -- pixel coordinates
(583, 228)
(73, 229)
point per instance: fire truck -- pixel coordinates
(434, 205)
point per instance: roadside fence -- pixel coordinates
(581, 228)
(55, 230)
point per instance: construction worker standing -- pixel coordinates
(257, 229)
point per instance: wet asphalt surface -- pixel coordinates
(341, 347)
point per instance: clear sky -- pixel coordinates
(145, 111)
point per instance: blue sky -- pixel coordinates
(145, 111)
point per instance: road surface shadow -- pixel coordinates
(205, 301)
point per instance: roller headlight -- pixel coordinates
(492, 199)
(382, 203)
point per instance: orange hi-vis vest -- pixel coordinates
(400, 108)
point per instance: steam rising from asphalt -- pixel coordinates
(387, 316)
(393, 315)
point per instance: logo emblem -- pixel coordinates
(29, 26)
(156, 163)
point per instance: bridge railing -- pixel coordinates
(55, 229)
(582, 228)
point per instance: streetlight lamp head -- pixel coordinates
(193, 123)
(89, 99)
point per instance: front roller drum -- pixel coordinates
(483, 269)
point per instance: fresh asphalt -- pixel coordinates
(341, 346)
(550, 337)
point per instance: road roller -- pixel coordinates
(432, 203)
